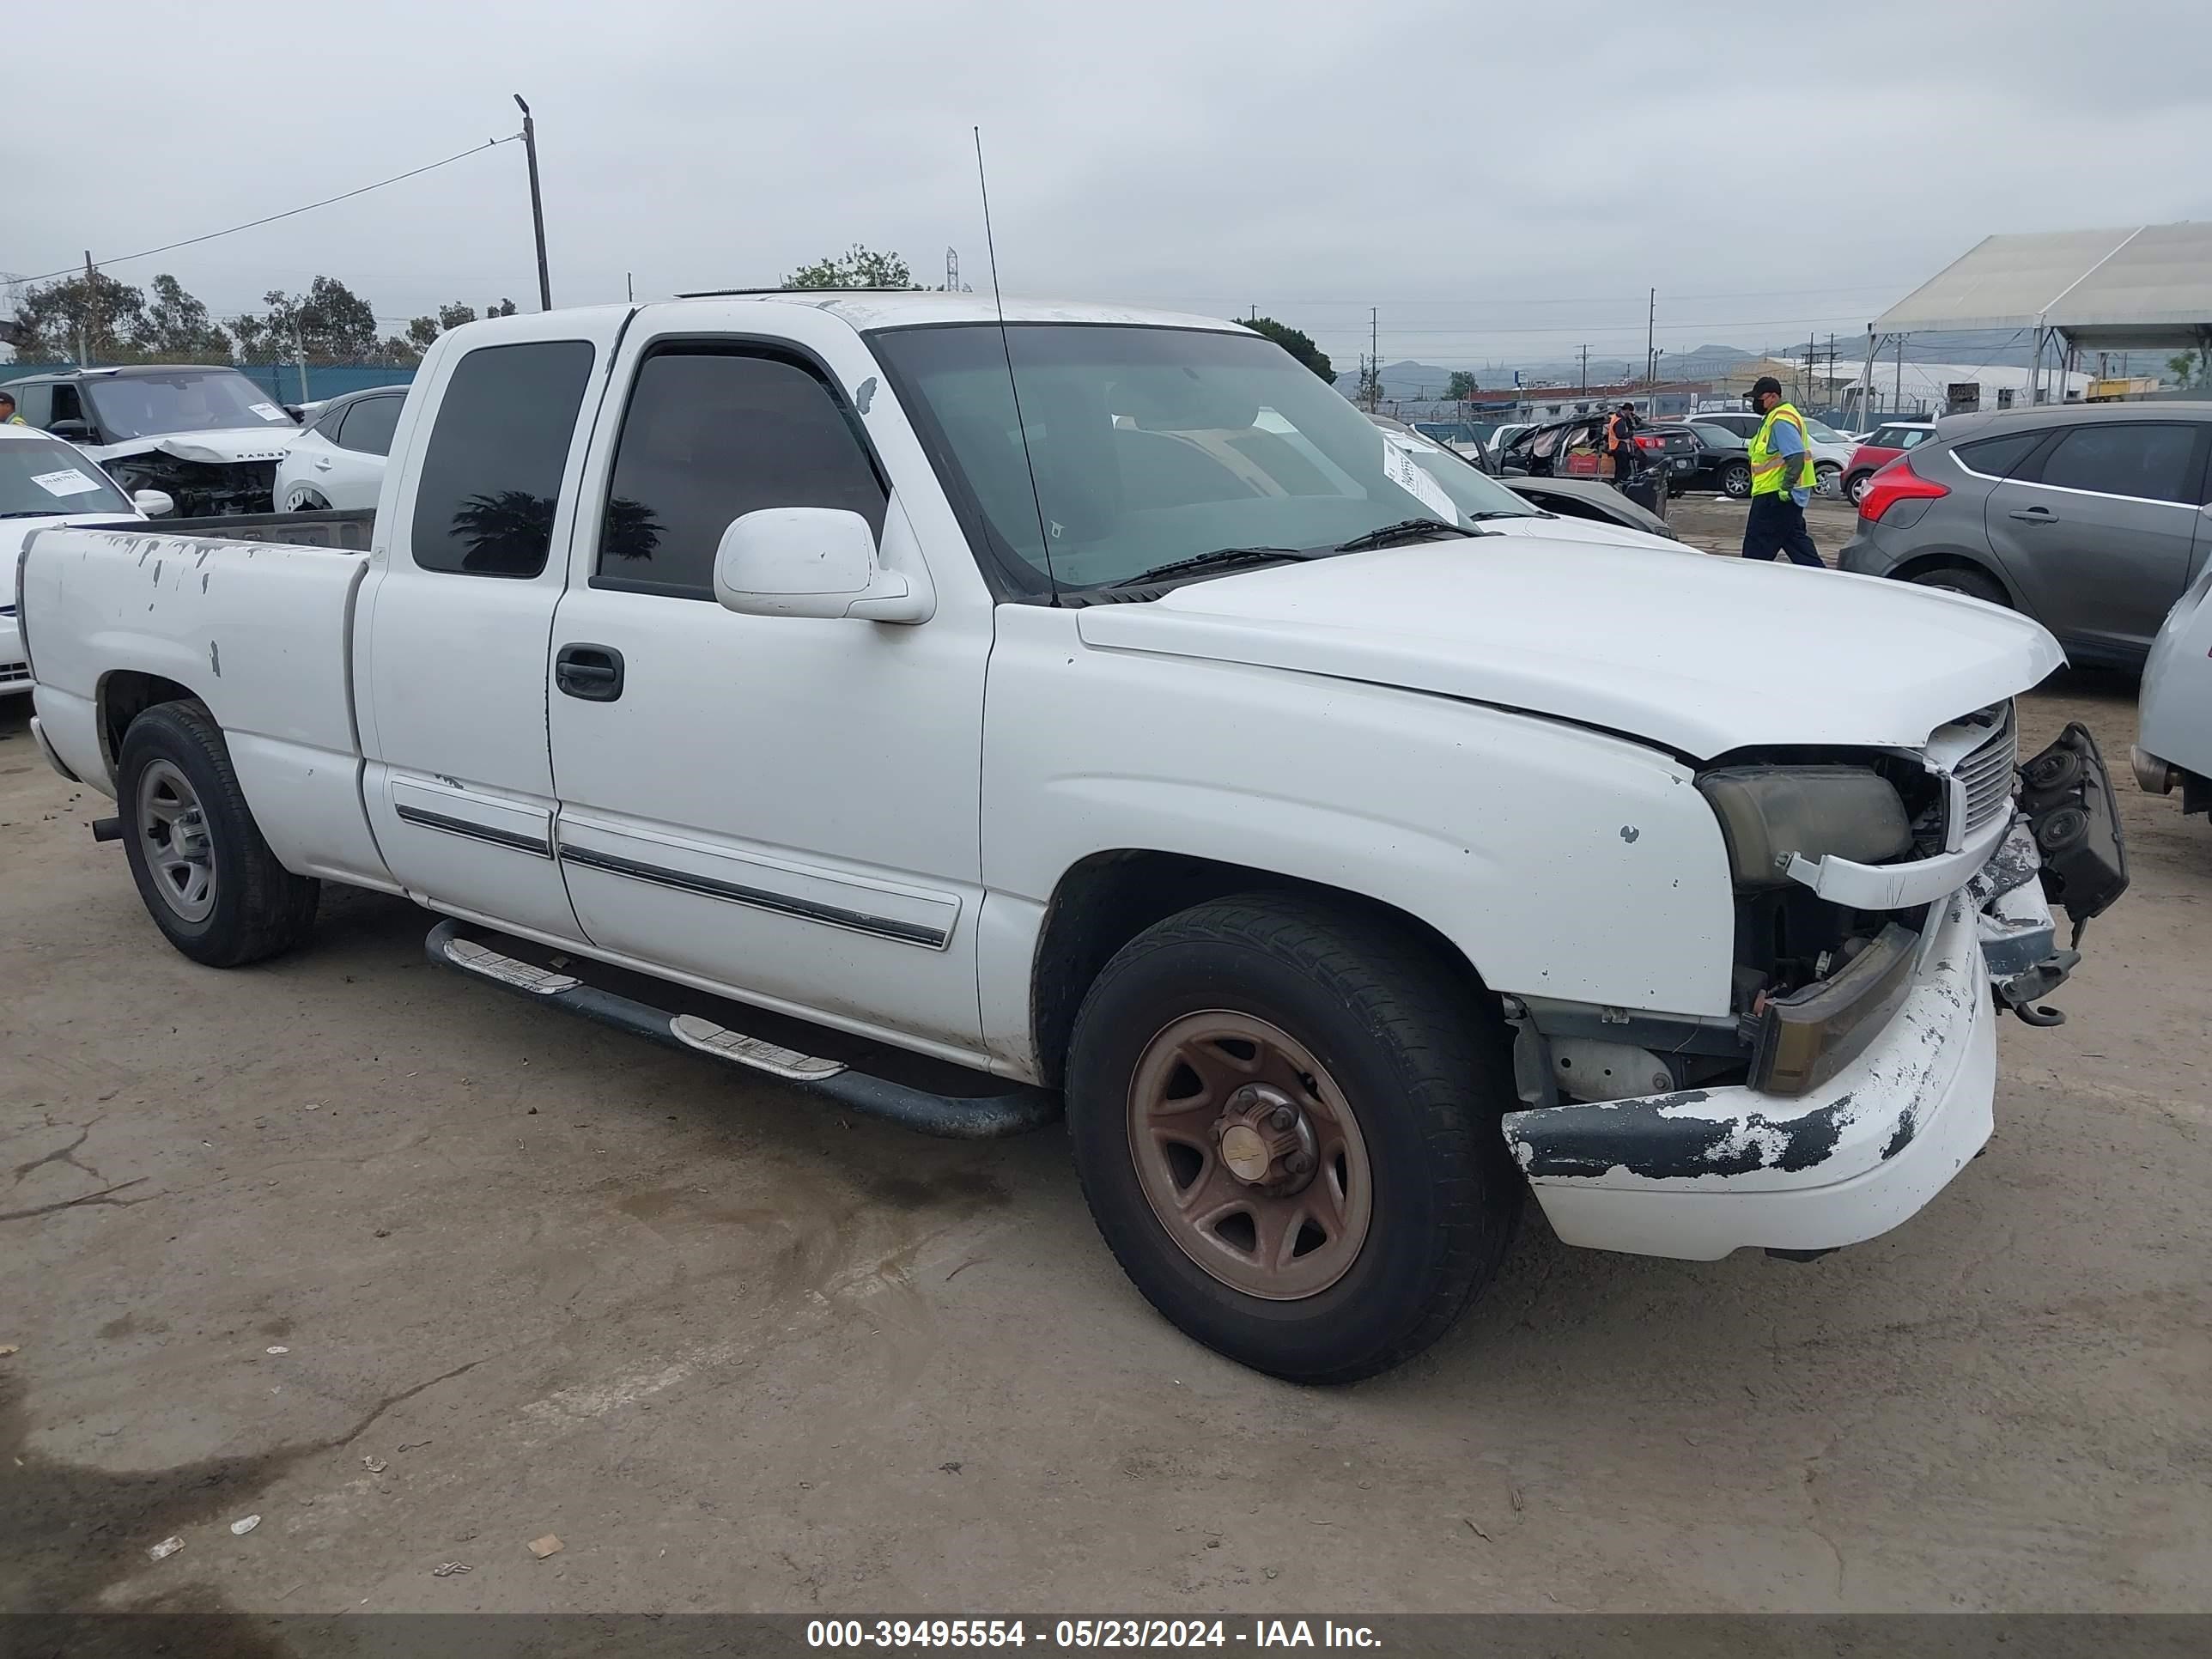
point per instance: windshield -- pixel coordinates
(38, 476)
(1154, 445)
(1821, 432)
(189, 400)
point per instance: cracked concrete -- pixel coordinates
(546, 1278)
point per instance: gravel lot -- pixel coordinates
(418, 1273)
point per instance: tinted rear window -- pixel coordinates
(369, 423)
(2146, 459)
(491, 477)
(1995, 458)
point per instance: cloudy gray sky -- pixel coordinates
(1501, 181)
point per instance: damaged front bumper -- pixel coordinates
(1697, 1173)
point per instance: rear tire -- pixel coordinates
(205, 874)
(1826, 477)
(1855, 486)
(1956, 579)
(1387, 1069)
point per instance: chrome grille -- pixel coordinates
(1985, 778)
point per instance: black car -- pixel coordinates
(1714, 458)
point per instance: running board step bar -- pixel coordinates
(988, 1117)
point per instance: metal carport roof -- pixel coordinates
(2134, 287)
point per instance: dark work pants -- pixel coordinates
(1776, 525)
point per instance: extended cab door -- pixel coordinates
(783, 807)
(468, 558)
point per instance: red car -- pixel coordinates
(1883, 445)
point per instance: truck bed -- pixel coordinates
(259, 631)
(349, 530)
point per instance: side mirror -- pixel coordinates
(75, 432)
(153, 503)
(810, 562)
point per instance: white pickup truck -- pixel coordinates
(1096, 702)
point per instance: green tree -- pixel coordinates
(1370, 395)
(329, 322)
(422, 332)
(2184, 368)
(51, 317)
(175, 327)
(504, 309)
(857, 267)
(1298, 343)
(1461, 387)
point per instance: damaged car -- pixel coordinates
(207, 437)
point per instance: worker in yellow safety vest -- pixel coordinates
(1782, 478)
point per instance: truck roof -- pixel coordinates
(868, 308)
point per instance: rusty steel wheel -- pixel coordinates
(1284, 1111)
(1250, 1155)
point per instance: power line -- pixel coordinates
(125, 258)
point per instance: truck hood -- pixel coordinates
(1700, 655)
(227, 447)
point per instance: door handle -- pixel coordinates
(322, 463)
(2035, 515)
(594, 672)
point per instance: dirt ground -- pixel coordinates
(417, 1273)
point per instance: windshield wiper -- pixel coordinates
(1404, 530)
(32, 513)
(1221, 558)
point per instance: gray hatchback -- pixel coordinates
(2090, 518)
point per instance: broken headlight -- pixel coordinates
(1768, 813)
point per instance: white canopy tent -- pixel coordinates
(2130, 289)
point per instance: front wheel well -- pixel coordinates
(123, 695)
(1106, 900)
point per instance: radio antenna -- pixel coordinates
(1006, 345)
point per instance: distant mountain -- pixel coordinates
(1409, 380)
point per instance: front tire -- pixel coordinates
(205, 874)
(1736, 480)
(1284, 1116)
(1826, 477)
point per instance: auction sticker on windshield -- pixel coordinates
(67, 481)
(267, 412)
(1410, 475)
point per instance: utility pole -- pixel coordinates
(629, 286)
(1374, 351)
(536, 204)
(1586, 368)
(1650, 340)
(299, 354)
(87, 323)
